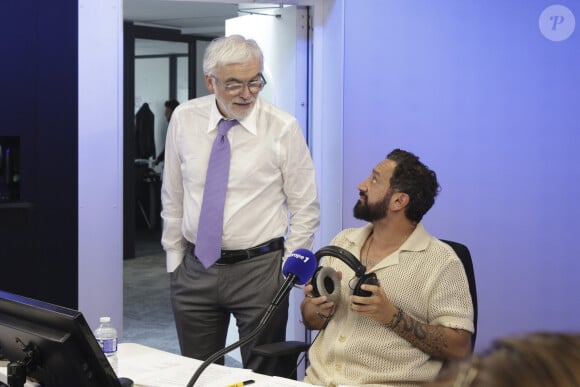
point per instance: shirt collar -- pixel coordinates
(249, 123)
(359, 236)
(417, 241)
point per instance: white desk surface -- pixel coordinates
(155, 368)
(150, 367)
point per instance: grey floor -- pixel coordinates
(148, 318)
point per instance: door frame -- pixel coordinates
(130, 33)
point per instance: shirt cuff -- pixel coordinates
(174, 259)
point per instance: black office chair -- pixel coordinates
(465, 256)
(288, 351)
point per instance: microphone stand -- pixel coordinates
(281, 295)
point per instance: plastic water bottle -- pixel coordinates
(106, 336)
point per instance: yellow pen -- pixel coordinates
(240, 384)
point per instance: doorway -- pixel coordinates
(158, 64)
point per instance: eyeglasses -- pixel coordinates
(236, 88)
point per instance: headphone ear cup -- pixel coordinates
(325, 282)
(314, 282)
(368, 279)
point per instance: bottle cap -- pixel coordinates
(105, 319)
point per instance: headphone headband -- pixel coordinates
(344, 255)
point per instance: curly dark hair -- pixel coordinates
(416, 180)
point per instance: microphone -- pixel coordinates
(298, 269)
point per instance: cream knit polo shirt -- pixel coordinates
(426, 279)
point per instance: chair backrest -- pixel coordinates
(465, 256)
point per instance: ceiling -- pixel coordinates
(203, 18)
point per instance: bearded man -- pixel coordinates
(420, 313)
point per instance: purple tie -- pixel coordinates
(211, 218)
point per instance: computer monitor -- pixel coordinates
(52, 345)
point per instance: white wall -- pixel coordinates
(100, 161)
(491, 104)
(472, 88)
(326, 113)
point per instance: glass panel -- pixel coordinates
(152, 88)
(183, 79)
(157, 65)
(157, 62)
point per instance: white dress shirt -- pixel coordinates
(271, 188)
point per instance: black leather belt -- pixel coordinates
(229, 257)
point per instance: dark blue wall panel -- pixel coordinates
(39, 85)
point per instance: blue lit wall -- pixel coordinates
(38, 82)
(492, 105)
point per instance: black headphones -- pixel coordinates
(325, 281)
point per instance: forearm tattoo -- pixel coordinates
(428, 338)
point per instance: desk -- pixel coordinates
(149, 367)
(155, 368)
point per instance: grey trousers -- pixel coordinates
(203, 301)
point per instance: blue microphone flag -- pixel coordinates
(302, 263)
